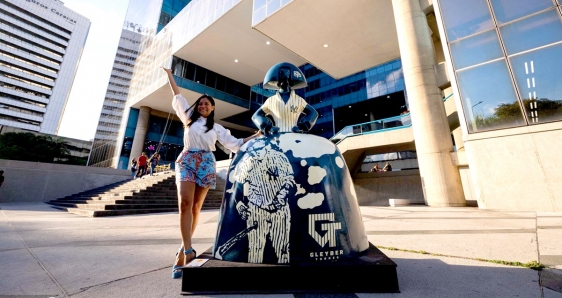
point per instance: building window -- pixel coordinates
(506, 56)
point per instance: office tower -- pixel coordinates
(105, 140)
(41, 42)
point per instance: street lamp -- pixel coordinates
(474, 106)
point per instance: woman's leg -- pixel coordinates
(200, 194)
(186, 194)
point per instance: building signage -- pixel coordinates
(53, 10)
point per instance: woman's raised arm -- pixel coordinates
(172, 81)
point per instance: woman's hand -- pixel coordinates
(257, 134)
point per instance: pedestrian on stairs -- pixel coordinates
(195, 166)
(133, 168)
(153, 160)
(142, 166)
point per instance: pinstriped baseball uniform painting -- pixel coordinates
(285, 115)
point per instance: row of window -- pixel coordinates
(24, 100)
(36, 17)
(120, 78)
(122, 70)
(31, 63)
(31, 24)
(130, 40)
(108, 124)
(25, 51)
(16, 119)
(25, 81)
(11, 66)
(25, 90)
(105, 132)
(122, 49)
(337, 92)
(170, 8)
(126, 57)
(115, 117)
(201, 75)
(15, 39)
(311, 71)
(117, 92)
(124, 63)
(110, 108)
(118, 85)
(22, 110)
(43, 39)
(114, 100)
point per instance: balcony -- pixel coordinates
(357, 141)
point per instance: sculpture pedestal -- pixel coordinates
(372, 272)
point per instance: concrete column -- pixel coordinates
(441, 181)
(140, 133)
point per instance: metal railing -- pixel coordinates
(387, 124)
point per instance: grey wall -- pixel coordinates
(519, 169)
(40, 182)
(375, 189)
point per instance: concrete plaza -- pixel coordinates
(440, 252)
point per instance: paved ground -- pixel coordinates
(46, 252)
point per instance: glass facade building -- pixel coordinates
(434, 102)
(506, 57)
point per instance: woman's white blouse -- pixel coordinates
(195, 137)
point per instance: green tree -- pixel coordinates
(508, 114)
(30, 147)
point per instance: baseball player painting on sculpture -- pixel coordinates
(268, 182)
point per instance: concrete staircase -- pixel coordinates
(150, 194)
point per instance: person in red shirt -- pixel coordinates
(142, 165)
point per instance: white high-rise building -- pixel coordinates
(103, 147)
(41, 42)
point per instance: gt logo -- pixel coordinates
(297, 74)
(330, 227)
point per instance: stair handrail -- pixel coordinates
(348, 130)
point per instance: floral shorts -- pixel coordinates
(196, 166)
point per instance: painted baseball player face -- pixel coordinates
(205, 107)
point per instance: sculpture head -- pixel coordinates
(284, 76)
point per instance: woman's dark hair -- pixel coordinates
(195, 114)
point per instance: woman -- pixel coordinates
(375, 168)
(133, 168)
(195, 166)
(153, 160)
(387, 167)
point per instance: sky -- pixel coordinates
(84, 104)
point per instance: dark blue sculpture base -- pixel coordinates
(372, 272)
